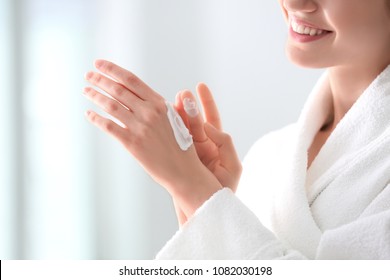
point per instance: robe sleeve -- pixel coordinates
(224, 228)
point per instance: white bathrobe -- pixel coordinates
(339, 208)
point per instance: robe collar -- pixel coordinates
(293, 220)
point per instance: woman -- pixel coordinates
(317, 189)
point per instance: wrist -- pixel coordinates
(195, 191)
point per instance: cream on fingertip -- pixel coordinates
(190, 107)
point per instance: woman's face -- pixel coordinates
(326, 33)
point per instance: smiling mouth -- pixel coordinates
(307, 30)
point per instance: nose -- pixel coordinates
(304, 6)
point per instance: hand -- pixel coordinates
(214, 147)
(146, 133)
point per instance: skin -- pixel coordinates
(355, 51)
(214, 147)
(148, 136)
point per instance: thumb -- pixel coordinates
(224, 142)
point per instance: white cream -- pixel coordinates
(182, 134)
(190, 107)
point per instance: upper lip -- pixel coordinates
(306, 23)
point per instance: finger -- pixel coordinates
(227, 152)
(126, 78)
(118, 91)
(111, 106)
(107, 126)
(195, 120)
(180, 108)
(209, 106)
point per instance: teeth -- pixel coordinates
(305, 30)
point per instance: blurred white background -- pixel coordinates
(68, 191)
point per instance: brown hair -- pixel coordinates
(388, 5)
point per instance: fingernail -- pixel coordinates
(190, 107)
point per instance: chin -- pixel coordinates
(305, 60)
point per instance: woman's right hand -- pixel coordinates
(214, 147)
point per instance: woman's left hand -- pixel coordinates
(147, 134)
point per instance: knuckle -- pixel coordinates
(140, 135)
(92, 94)
(117, 90)
(143, 132)
(97, 78)
(160, 106)
(131, 79)
(137, 143)
(107, 126)
(154, 113)
(92, 117)
(111, 106)
(151, 118)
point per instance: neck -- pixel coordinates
(347, 84)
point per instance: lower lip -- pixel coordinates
(302, 38)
